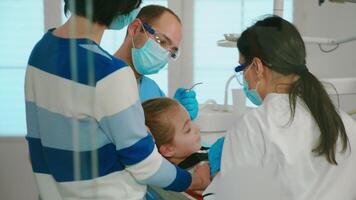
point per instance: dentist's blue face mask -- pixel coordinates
(150, 58)
(251, 94)
(123, 20)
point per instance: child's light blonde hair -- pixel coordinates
(158, 120)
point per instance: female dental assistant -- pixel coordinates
(296, 129)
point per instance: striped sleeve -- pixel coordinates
(121, 117)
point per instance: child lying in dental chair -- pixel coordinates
(178, 138)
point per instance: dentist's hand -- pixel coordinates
(188, 99)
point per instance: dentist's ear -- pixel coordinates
(134, 27)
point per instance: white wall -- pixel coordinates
(332, 20)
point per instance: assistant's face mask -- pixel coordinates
(150, 58)
(251, 94)
(123, 20)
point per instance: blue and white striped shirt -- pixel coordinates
(85, 126)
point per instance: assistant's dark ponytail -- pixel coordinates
(315, 97)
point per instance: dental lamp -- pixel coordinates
(337, 1)
(231, 40)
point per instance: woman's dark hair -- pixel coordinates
(100, 11)
(280, 47)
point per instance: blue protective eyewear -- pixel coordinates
(239, 72)
(148, 28)
(240, 68)
(173, 53)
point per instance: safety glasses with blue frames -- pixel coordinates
(239, 69)
(162, 40)
(239, 73)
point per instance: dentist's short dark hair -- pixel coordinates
(151, 13)
(100, 11)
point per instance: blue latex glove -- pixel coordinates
(214, 156)
(188, 100)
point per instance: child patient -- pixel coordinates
(177, 137)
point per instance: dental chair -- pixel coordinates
(343, 93)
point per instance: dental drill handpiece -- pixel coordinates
(187, 90)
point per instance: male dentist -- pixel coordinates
(152, 40)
